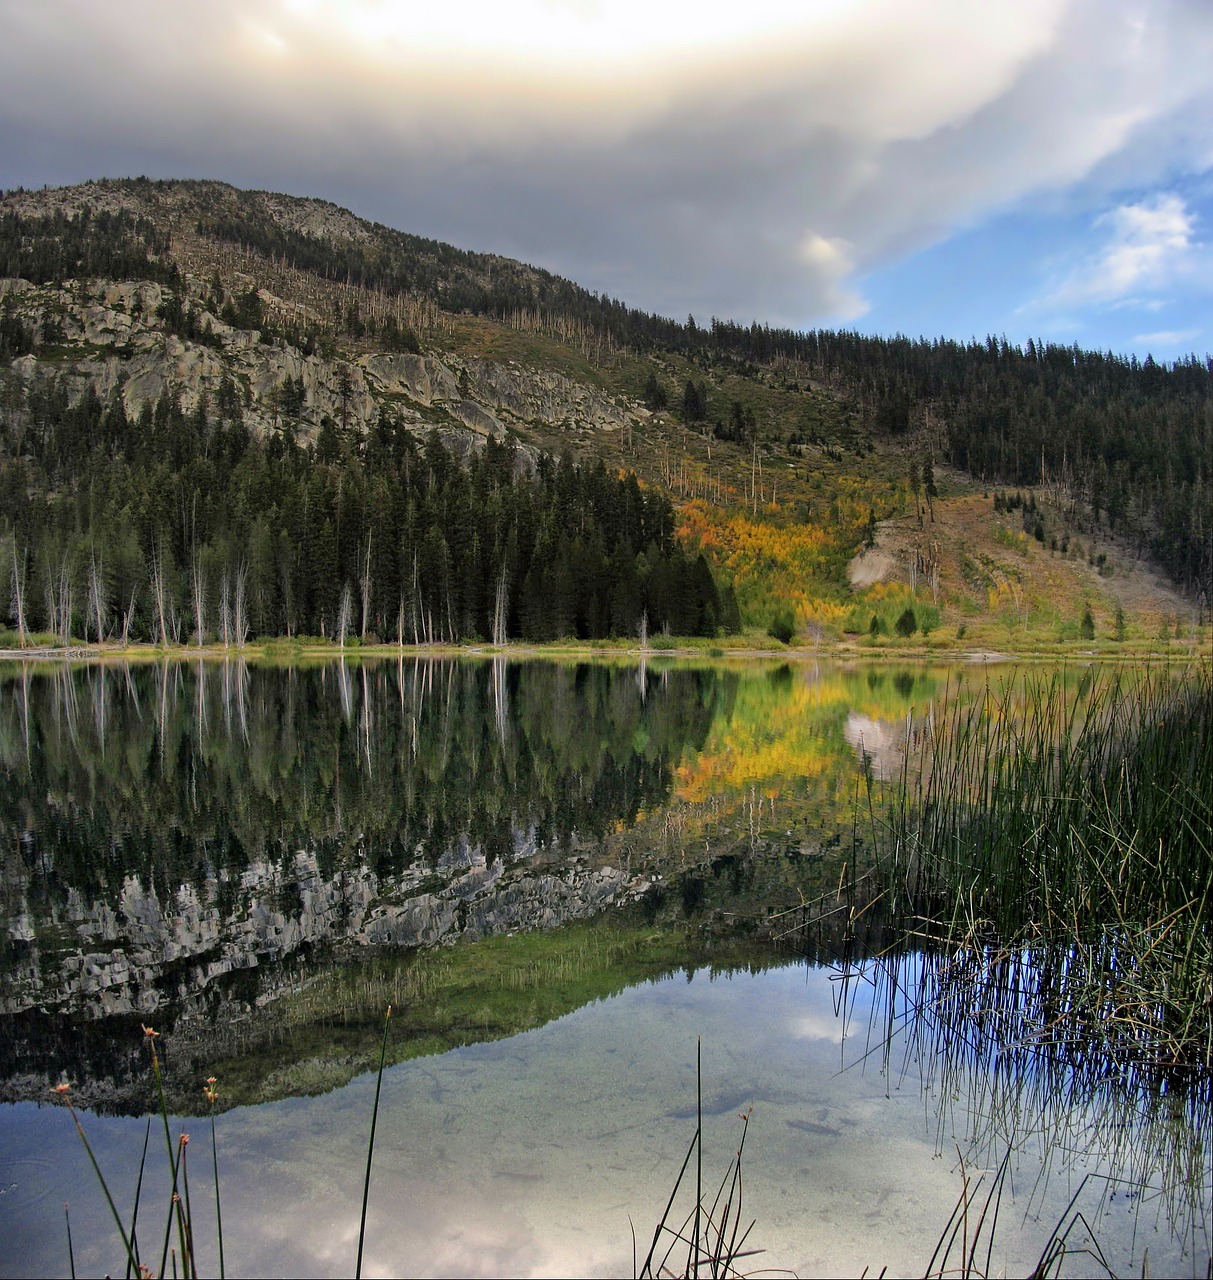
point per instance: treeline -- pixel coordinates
(175, 526)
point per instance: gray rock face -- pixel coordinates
(115, 343)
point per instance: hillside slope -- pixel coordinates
(315, 328)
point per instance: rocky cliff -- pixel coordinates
(109, 337)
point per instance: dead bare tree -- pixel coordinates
(50, 598)
(225, 609)
(501, 608)
(65, 601)
(160, 599)
(364, 583)
(18, 571)
(240, 626)
(343, 614)
(128, 617)
(198, 592)
(96, 598)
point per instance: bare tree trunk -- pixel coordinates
(198, 588)
(501, 609)
(19, 593)
(365, 585)
(240, 607)
(127, 618)
(52, 607)
(96, 599)
(416, 624)
(65, 603)
(225, 610)
(159, 593)
(343, 614)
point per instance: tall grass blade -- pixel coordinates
(92, 1159)
(212, 1094)
(370, 1146)
(71, 1253)
(147, 1133)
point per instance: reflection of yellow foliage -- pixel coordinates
(788, 733)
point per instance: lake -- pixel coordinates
(563, 876)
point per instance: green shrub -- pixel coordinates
(783, 626)
(907, 623)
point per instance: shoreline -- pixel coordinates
(278, 649)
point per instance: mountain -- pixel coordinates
(137, 311)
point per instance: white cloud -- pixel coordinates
(1145, 247)
(1166, 338)
(752, 162)
(831, 264)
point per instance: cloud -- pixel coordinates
(750, 162)
(1146, 247)
(1166, 338)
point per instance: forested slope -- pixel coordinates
(322, 299)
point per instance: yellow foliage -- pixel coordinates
(769, 562)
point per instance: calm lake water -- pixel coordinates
(561, 875)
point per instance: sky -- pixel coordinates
(1041, 169)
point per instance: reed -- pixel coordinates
(711, 1231)
(1074, 832)
(1046, 878)
(179, 1210)
(370, 1146)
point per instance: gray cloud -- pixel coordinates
(761, 180)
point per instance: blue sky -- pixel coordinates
(1131, 275)
(941, 167)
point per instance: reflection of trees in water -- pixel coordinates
(184, 770)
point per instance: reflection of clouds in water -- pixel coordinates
(880, 741)
(529, 1156)
(816, 1026)
(438, 1223)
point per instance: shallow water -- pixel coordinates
(538, 1154)
(209, 847)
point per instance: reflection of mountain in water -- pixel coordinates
(164, 827)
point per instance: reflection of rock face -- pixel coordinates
(882, 743)
(147, 860)
(137, 957)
